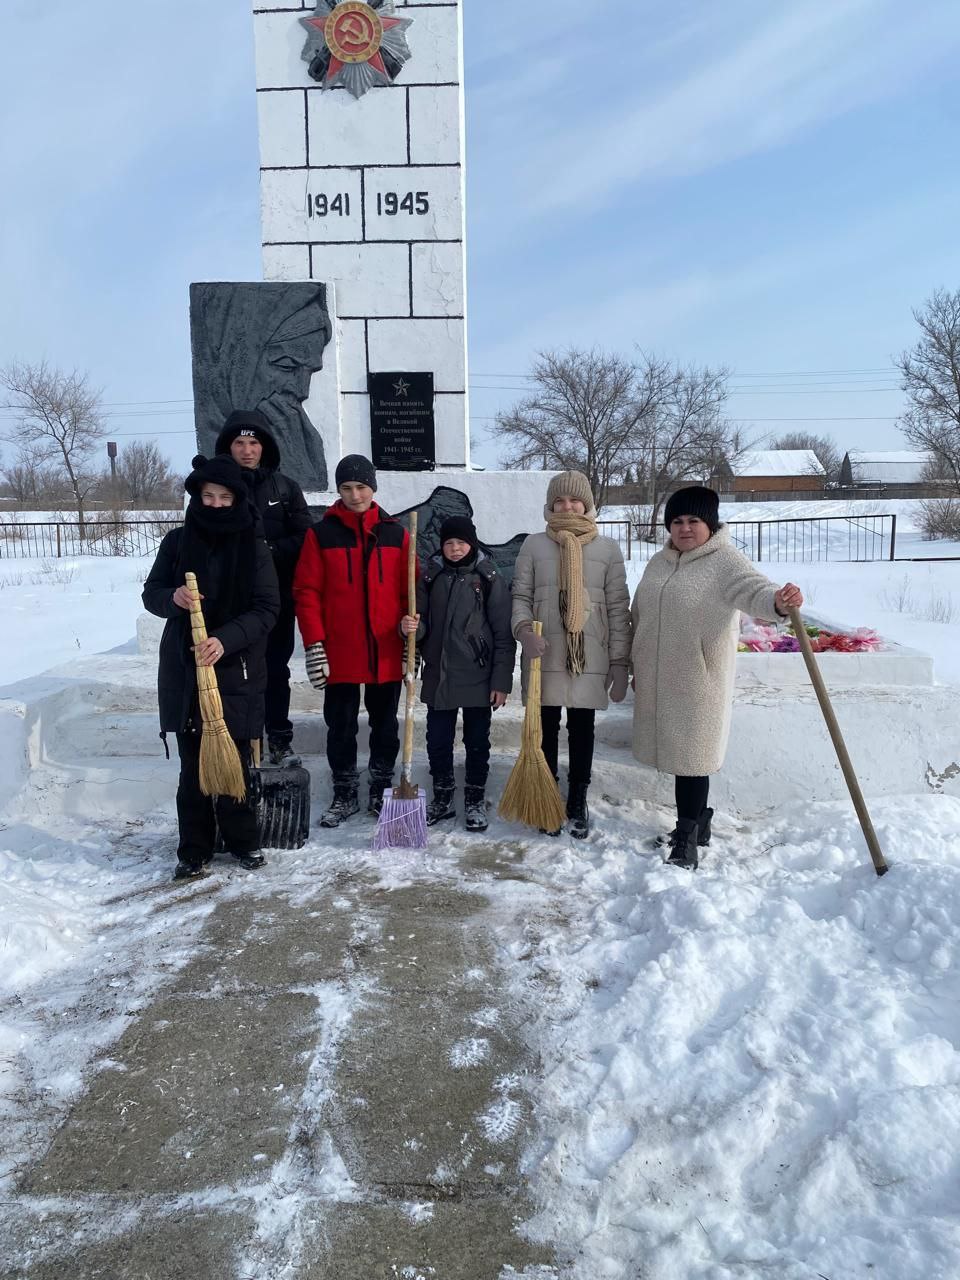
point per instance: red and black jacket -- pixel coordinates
(350, 592)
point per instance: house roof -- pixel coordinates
(778, 462)
(898, 466)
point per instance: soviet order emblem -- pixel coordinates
(354, 45)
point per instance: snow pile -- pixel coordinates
(754, 1067)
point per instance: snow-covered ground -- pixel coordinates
(753, 1070)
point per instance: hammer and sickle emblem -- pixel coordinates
(354, 28)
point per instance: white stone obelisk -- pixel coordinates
(366, 193)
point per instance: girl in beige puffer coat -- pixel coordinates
(685, 623)
(574, 582)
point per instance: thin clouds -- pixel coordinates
(740, 79)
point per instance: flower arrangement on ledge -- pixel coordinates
(762, 637)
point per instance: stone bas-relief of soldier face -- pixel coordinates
(256, 346)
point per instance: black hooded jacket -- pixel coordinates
(242, 671)
(280, 501)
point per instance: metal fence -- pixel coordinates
(836, 538)
(30, 540)
(855, 493)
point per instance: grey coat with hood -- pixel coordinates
(465, 640)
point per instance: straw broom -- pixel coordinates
(531, 795)
(221, 770)
(403, 819)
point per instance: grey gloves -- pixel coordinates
(617, 683)
(318, 668)
(533, 646)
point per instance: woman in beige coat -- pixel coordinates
(574, 582)
(685, 624)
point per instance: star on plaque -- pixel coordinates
(354, 45)
(401, 387)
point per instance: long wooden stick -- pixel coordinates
(406, 789)
(853, 786)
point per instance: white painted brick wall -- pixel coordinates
(407, 138)
(371, 279)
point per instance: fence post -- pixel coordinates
(893, 537)
(629, 540)
(759, 542)
(58, 542)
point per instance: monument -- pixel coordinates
(361, 121)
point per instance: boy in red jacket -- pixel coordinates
(349, 593)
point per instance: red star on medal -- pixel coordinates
(347, 42)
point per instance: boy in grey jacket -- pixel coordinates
(468, 651)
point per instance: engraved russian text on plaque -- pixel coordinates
(401, 421)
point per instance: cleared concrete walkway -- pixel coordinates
(334, 1087)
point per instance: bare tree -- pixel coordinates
(60, 420)
(827, 453)
(583, 415)
(930, 378)
(144, 475)
(684, 435)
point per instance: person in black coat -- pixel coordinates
(246, 437)
(468, 651)
(221, 541)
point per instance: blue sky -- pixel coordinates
(768, 186)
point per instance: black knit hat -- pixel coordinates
(219, 470)
(461, 527)
(249, 422)
(356, 469)
(697, 501)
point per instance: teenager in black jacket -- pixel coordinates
(221, 541)
(246, 437)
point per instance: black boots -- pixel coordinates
(378, 789)
(684, 850)
(578, 815)
(441, 807)
(280, 752)
(704, 831)
(188, 870)
(344, 805)
(251, 861)
(474, 809)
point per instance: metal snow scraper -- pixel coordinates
(281, 797)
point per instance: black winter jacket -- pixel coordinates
(241, 672)
(465, 638)
(282, 506)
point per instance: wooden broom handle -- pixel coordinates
(853, 786)
(411, 651)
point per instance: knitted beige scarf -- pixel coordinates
(572, 533)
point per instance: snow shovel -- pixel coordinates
(281, 797)
(403, 819)
(531, 795)
(853, 786)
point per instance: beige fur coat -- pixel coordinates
(685, 626)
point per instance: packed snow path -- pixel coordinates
(331, 1085)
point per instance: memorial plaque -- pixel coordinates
(401, 421)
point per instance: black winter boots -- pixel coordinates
(704, 831)
(281, 753)
(578, 815)
(441, 807)
(378, 788)
(344, 805)
(474, 809)
(684, 851)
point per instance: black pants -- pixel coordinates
(199, 816)
(441, 733)
(692, 794)
(580, 723)
(341, 711)
(277, 700)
